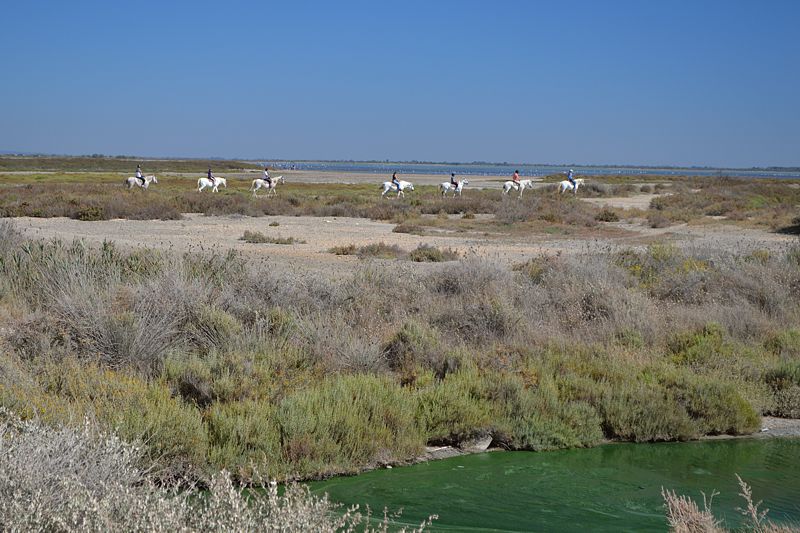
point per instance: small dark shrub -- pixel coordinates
(93, 212)
(607, 215)
(657, 220)
(430, 254)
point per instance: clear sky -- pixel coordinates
(604, 82)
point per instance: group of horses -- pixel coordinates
(447, 186)
(205, 183)
(387, 186)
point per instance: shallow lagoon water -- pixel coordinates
(616, 487)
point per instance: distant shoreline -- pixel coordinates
(260, 160)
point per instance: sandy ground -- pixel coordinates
(221, 233)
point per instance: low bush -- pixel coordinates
(607, 215)
(430, 254)
(256, 237)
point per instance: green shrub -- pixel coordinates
(430, 254)
(717, 407)
(785, 344)
(697, 348)
(172, 431)
(90, 213)
(645, 412)
(213, 326)
(448, 413)
(244, 436)
(346, 423)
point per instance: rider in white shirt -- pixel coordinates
(139, 173)
(267, 177)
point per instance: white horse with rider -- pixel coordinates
(390, 186)
(520, 186)
(566, 185)
(133, 181)
(261, 183)
(445, 187)
(204, 183)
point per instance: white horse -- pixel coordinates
(446, 187)
(133, 181)
(567, 186)
(202, 183)
(521, 186)
(260, 183)
(389, 186)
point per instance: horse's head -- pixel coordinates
(155, 180)
(409, 186)
(224, 182)
(279, 179)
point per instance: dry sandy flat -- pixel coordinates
(221, 233)
(638, 201)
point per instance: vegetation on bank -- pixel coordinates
(211, 365)
(82, 478)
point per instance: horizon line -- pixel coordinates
(11, 153)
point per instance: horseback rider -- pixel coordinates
(453, 180)
(515, 177)
(396, 181)
(211, 176)
(571, 178)
(139, 173)
(267, 178)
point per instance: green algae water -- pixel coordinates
(615, 487)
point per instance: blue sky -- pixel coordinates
(678, 82)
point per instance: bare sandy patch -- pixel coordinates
(218, 234)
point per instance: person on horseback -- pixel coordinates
(210, 176)
(571, 178)
(396, 181)
(515, 177)
(139, 173)
(267, 178)
(453, 180)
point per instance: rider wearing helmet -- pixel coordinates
(139, 173)
(570, 178)
(396, 181)
(453, 180)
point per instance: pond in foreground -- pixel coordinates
(616, 487)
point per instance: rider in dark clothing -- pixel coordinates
(139, 173)
(210, 175)
(453, 180)
(570, 177)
